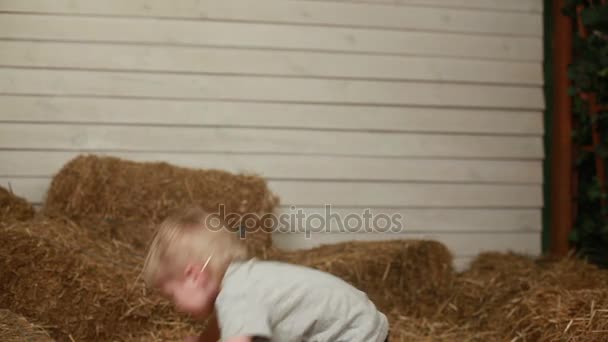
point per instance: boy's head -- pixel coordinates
(188, 257)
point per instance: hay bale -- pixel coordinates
(490, 264)
(407, 328)
(526, 299)
(565, 299)
(13, 207)
(125, 200)
(412, 273)
(572, 273)
(553, 314)
(511, 297)
(81, 288)
(15, 328)
(492, 280)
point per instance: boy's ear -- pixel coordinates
(193, 273)
(190, 272)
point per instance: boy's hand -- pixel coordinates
(211, 333)
(241, 339)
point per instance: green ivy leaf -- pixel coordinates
(603, 55)
(589, 73)
(602, 152)
(572, 71)
(581, 158)
(574, 236)
(594, 192)
(595, 17)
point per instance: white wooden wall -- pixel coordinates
(427, 108)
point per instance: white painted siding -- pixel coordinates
(428, 109)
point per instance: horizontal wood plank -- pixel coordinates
(460, 244)
(247, 88)
(258, 35)
(276, 166)
(287, 89)
(363, 194)
(452, 220)
(245, 140)
(270, 115)
(31, 189)
(264, 62)
(315, 194)
(406, 220)
(296, 12)
(527, 6)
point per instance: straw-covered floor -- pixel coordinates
(74, 269)
(15, 328)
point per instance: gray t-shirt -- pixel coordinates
(283, 303)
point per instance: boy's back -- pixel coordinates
(285, 303)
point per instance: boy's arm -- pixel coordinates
(248, 339)
(241, 339)
(210, 334)
(242, 318)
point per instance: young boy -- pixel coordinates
(205, 271)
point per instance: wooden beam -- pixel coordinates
(561, 166)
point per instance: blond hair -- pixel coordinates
(184, 238)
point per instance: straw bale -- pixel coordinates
(55, 273)
(125, 200)
(490, 264)
(552, 313)
(63, 277)
(15, 328)
(523, 299)
(566, 299)
(397, 272)
(572, 273)
(492, 280)
(510, 297)
(13, 207)
(415, 329)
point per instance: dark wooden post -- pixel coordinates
(561, 165)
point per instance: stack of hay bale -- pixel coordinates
(56, 273)
(74, 268)
(82, 256)
(532, 299)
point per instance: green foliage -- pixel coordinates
(595, 18)
(570, 7)
(589, 74)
